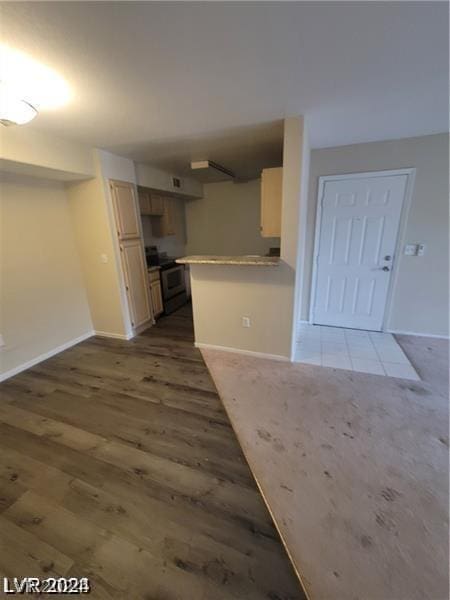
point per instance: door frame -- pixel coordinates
(406, 205)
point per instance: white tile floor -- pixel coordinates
(353, 349)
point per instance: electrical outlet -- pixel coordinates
(104, 258)
(411, 249)
(246, 322)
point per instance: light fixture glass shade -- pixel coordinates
(14, 110)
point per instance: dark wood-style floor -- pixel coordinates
(118, 462)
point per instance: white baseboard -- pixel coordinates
(117, 336)
(200, 346)
(143, 327)
(430, 335)
(42, 357)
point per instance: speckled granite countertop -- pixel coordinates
(262, 261)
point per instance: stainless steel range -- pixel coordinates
(173, 287)
(172, 279)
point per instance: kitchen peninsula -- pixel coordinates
(249, 260)
(248, 303)
(234, 299)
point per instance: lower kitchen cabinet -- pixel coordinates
(156, 293)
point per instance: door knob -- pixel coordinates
(385, 268)
(388, 257)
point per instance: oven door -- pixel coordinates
(173, 281)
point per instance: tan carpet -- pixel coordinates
(354, 468)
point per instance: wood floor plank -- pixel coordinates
(23, 471)
(135, 481)
(107, 556)
(118, 463)
(210, 450)
(23, 553)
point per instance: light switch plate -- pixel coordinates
(421, 249)
(245, 321)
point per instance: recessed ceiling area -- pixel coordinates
(170, 82)
(243, 150)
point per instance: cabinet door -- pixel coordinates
(157, 205)
(169, 216)
(165, 225)
(125, 209)
(144, 203)
(156, 294)
(135, 274)
(271, 195)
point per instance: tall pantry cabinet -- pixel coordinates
(127, 221)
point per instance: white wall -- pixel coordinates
(38, 153)
(43, 300)
(95, 232)
(154, 178)
(420, 300)
(115, 167)
(227, 220)
(93, 235)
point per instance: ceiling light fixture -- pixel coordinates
(13, 109)
(27, 86)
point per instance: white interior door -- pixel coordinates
(359, 223)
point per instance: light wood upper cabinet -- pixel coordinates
(150, 204)
(166, 224)
(157, 205)
(271, 195)
(145, 206)
(162, 208)
(169, 216)
(136, 282)
(125, 209)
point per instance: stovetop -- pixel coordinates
(168, 264)
(159, 259)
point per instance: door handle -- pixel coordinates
(381, 269)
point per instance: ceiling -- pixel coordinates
(170, 82)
